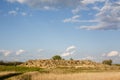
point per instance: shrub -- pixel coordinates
(10, 63)
(57, 57)
(108, 62)
(71, 58)
(1, 63)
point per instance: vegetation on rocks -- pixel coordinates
(57, 57)
(108, 62)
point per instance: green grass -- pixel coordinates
(117, 64)
(53, 70)
(21, 69)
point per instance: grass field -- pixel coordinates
(20, 69)
(73, 76)
(33, 73)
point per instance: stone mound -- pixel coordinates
(62, 63)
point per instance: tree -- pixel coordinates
(57, 57)
(1, 62)
(71, 58)
(108, 62)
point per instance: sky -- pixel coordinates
(78, 29)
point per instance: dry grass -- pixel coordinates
(74, 76)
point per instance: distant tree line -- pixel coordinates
(10, 63)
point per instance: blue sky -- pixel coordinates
(39, 29)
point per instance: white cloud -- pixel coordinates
(90, 27)
(69, 51)
(96, 8)
(113, 53)
(80, 7)
(48, 8)
(70, 48)
(20, 1)
(104, 54)
(5, 52)
(73, 19)
(16, 12)
(50, 3)
(91, 1)
(76, 10)
(20, 52)
(108, 17)
(40, 50)
(13, 12)
(83, 6)
(66, 54)
(23, 13)
(88, 58)
(41, 3)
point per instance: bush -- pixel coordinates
(108, 62)
(57, 57)
(71, 58)
(1, 63)
(10, 63)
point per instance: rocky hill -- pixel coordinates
(65, 63)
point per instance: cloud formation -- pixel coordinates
(91, 1)
(112, 54)
(69, 51)
(73, 19)
(40, 50)
(20, 52)
(23, 13)
(13, 12)
(108, 17)
(88, 58)
(76, 19)
(50, 3)
(5, 52)
(17, 12)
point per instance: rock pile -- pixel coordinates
(61, 63)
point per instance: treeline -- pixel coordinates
(10, 63)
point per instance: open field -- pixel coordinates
(20, 69)
(25, 73)
(64, 70)
(86, 70)
(73, 76)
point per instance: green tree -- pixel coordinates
(57, 57)
(108, 62)
(71, 58)
(1, 63)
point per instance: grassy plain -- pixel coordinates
(69, 76)
(34, 73)
(20, 69)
